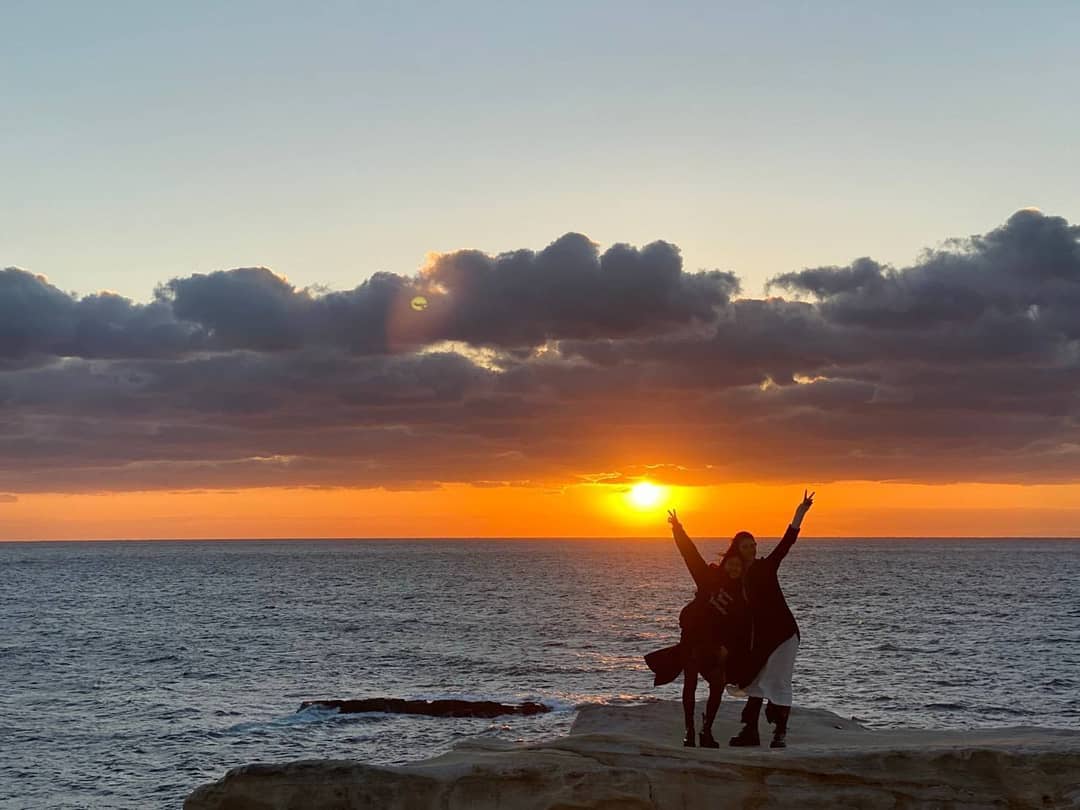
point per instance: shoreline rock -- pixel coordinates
(632, 757)
(431, 708)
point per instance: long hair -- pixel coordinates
(733, 547)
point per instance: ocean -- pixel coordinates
(131, 672)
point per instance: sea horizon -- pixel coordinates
(515, 538)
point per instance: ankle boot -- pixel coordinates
(705, 738)
(748, 736)
(688, 741)
(770, 713)
(782, 713)
(751, 711)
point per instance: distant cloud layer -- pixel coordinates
(556, 366)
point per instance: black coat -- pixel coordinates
(716, 617)
(772, 620)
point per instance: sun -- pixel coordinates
(645, 495)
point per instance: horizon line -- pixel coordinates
(513, 538)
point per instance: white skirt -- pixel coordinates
(773, 683)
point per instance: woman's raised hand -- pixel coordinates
(673, 519)
(807, 501)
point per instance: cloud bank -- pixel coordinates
(554, 366)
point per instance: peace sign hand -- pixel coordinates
(673, 519)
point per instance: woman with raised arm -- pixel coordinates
(775, 633)
(713, 639)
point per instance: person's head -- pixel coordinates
(744, 545)
(732, 566)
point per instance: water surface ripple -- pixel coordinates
(131, 672)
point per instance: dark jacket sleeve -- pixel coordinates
(784, 546)
(695, 563)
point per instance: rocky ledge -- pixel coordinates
(632, 757)
(431, 708)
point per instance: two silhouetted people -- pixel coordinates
(737, 630)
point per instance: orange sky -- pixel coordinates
(844, 509)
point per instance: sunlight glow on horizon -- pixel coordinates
(842, 509)
(646, 495)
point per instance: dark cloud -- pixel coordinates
(1026, 270)
(518, 299)
(514, 301)
(549, 367)
(39, 322)
(570, 290)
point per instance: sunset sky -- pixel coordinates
(354, 270)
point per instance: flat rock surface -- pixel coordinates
(632, 757)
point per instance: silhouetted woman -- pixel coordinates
(714, 638)
(775, 635)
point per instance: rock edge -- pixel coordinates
(631, 757)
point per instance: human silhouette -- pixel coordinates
(714, 638)
(775, 634)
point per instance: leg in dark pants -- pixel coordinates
(780, 716)
(749, 733)
(712, 706)
(689, 697)
(751, 711)
(770, 713)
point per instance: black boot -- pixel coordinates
(705, 739)
(770, 713)
(749, 734)
(688, 741)
(781, 714)
(751, 711)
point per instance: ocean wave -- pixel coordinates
(615, 700)
(161, 659)
(306, 716)
(552, 702)
(1009, 711)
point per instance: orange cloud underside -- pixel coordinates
(846, 509)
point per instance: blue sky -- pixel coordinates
(144, 141)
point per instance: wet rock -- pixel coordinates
(430, 708)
